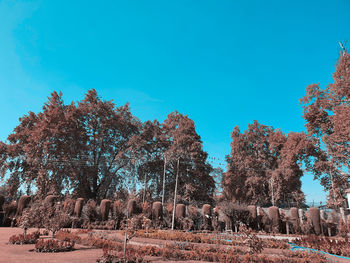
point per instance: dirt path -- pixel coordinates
(21, 253)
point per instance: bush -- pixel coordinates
(66, 235)
(51, 245)
(110, 256)
(251, 240)
(21, 239)
(236, 213)
(118, 214)
(337, 246)
(56, 219)
(68, 206)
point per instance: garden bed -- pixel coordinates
(89, 246)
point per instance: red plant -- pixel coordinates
(337, 246)
(110, 256)
(50, 245)
(24, 239)
(66, 235)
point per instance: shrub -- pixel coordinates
(78, 207)
(330, 245)
(146, 210)
(89, 212)
(274, 216)
(118, 214)
(294, 219)
(342, 228)
(110, 256)
(251, 240)
(105, 206)
(157, 211)
(314, 215)
(50, 245)
(68, 206)
(132, 207)
(44, 215)
(235, 213)
(24, 239)
(193, 219)
(23, 202)
(66, 235)
(34, 216)
(180, 211)
(10, 213)
(55, 218)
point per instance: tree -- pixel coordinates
(13, 155)
(103, 152)
(185, 145)
(327, 115)
(83, 147)
(263, 167)
(148, 149)
(217, 173)
(174, 139)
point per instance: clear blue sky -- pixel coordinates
(224, 63)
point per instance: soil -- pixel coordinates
(22, 253)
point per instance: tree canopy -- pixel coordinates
(263, 166)
(327, 115)
(92, 148)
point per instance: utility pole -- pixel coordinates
(126, 234)
(343, 47)
(174, 207)
(333, 188)
(144, 189)
(163, 192)
(272, 194)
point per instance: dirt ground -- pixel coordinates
(21, 253)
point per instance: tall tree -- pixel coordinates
(327, 115)
(148, 149)
(83, 147)
(261, 168)
(185, 145)
(175, 139)
(104, 152)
